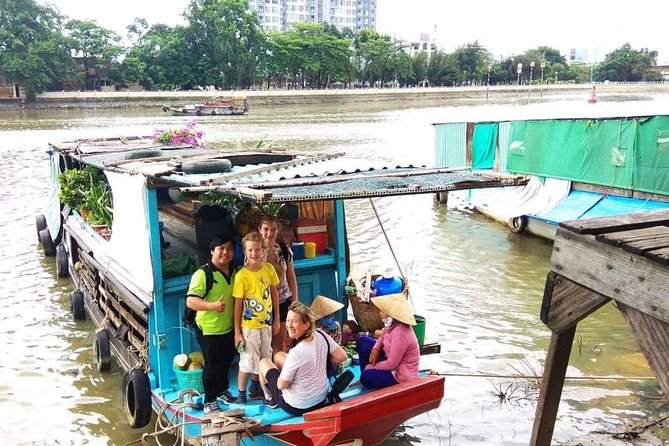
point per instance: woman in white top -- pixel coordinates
(297, 381)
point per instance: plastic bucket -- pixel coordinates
(419, 329)
(309, 250)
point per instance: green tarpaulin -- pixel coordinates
(484, 143)
(622, 153)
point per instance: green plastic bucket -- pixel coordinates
(419, 329)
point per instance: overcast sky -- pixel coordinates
(504, 27)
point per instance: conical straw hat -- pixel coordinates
(396, 306)
(323, 306)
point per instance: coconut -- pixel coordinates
(181, 362)
(194, 366)
(196, 357)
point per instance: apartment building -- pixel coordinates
(280, 15)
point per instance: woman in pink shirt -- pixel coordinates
(394, 357)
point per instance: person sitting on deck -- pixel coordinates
(297, 381)
(394, 357)
(213, 326)
(323, 309)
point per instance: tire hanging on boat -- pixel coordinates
(47, 243)
(136, 398)
(61, 261)
(102, 349)
(518, 224)
(143, 153)
(77, 305)
(40, 223)
(209, 166)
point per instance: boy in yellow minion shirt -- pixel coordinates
(256, 314)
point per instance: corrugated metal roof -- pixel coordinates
(264, 176)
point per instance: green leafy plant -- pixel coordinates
(74, 183)
(87, 191)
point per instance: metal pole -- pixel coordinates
(519, 70)
(543, 65)
(529, 90)
(487, 91)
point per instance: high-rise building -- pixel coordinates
(280, 15)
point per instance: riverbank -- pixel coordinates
(406, 97)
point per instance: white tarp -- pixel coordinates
(129, 251)
(506, 203)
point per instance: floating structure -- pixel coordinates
(218, 106)
(167, 203)
(582, 163)
(623, 259)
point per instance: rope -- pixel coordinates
(392, 251)
(576, 378)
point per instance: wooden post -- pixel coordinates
(551, 386)
(653, 337)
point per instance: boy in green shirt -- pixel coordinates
(214, 326)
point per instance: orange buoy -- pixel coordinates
(593, 96)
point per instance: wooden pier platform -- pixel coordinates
(623, 259)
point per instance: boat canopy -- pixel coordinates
(276, 175)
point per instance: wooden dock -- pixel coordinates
(623, 259)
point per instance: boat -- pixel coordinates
(222, 105)
(583, 163)
(166, 201)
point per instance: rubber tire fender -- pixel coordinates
(61, 261)
(40, 223)
(211, 166)
(102, 349)
(136, 398)
(518, 224)
(48, 245)
(143, 153)
(77, 307)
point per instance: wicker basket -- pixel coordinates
(190, 379)
(366, 314)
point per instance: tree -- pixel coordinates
(419, 66)
(225, 42)
(160, 59)
(97, 47)
(33, 50)
(379, 59)
(625, 64)
(471, 61)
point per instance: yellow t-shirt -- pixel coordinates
(254, 288)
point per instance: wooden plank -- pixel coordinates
(659, 255)
(617, 223)
(555, 370)
(612, 272)
(570, 303)
(653, 338)
(642, 246)
(619, 238)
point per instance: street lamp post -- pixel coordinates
(487, 91)
(543, 65)
(529, 90)
(519, 70)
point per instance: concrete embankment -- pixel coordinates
(403, 96)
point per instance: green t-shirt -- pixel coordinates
(213, 322)
(254, 288)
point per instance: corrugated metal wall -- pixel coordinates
(504, 135)
(450, 145)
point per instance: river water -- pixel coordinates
(479, 286)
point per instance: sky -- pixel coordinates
(504, 27)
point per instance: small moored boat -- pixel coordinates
(217, 106)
